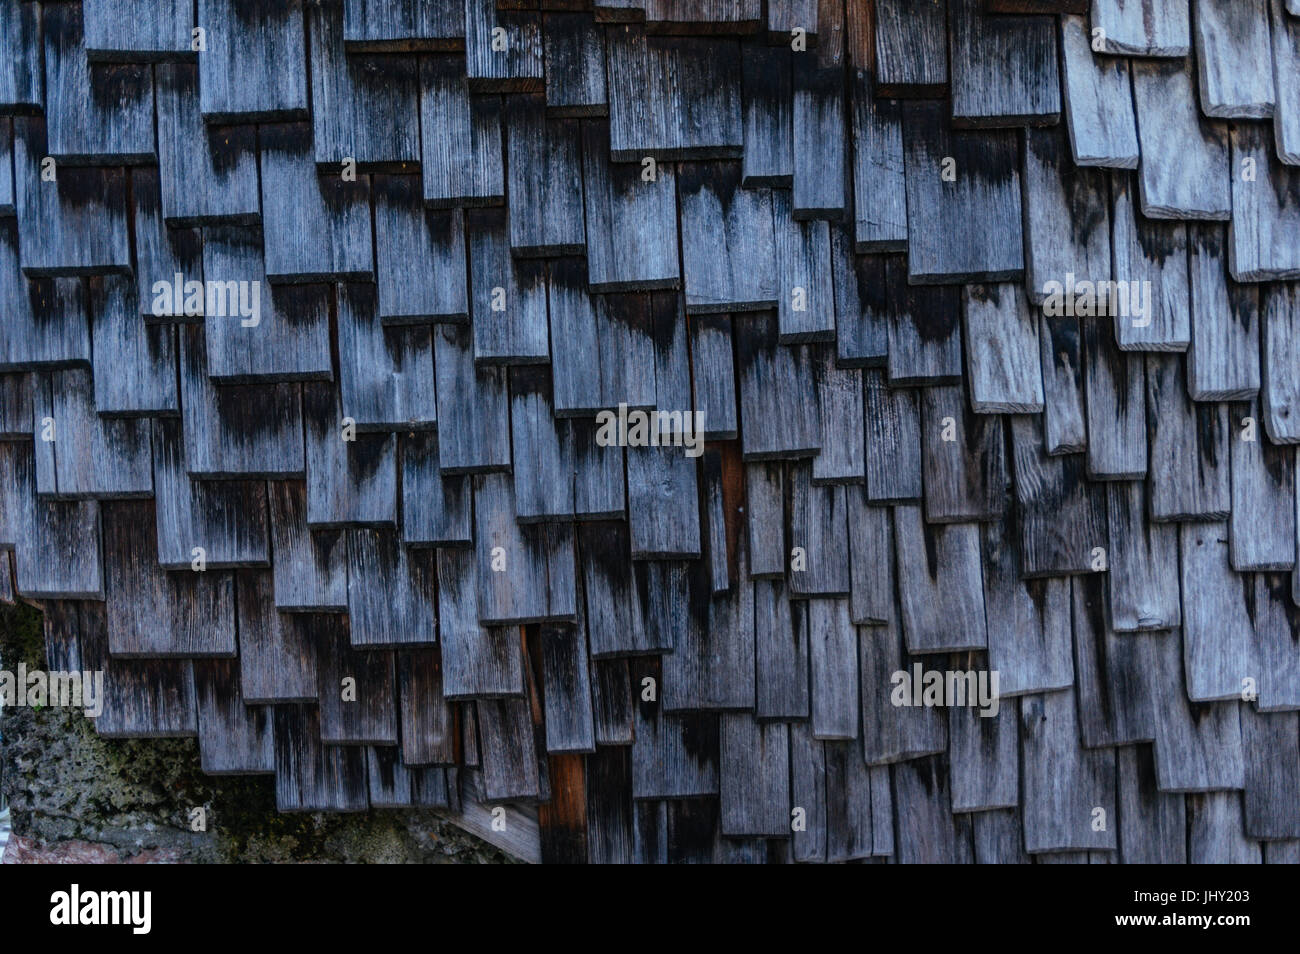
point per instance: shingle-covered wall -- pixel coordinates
(984, 318)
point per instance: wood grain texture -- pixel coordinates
(435, 509)
(573, 51)
(1028, 620)
(316, 227)
(839, 398)
(964, 461)
(1276, 627)
(226, 520)
(781, 652)
(142, 698)
(819, 562)
(461, 160)
(1151, 257)
(1116, 697)
(255, 68)
(278, 653)
(1145, 28)
(290, 340)
(1170, 124)
(97, 113)
(1114, 385)
(805, 301)
(364, 105)
(939, 580)
(1189, 448)
(879, 185)
(1002, 354)
(1065, 429)
(923, 329)
(542, 446)
(1263, 210)
(1286, 80)
(478, 661)
(154, 613)
(1229, 36)
(236, 431)
(478, 396)
(1063, 784)
(518, 67)
(820, 152)
(1262, 528)
(537, 584)
(753, 778)
(201, 186)
(929, 833)
(1215, 825)
(420, 255)
(1219, 647)
(133, 364)
(310, 776)
(631, 235)
(984, 753)
(911, 48)
(233, 738)
(20, 76)
(1223, 358)
(1272, 797)
(356, 691)
(1280, 310)
(396, 25)
(1158, 834)
(767, 118)
(159, 251)
(544, 179)
(649, 116)
(310, 568)
(1062, 516)
(778, 404)
(1098, 102)
(1055, 190)
(729, 256)
(48, 317)
(75, 225)
(87, 455)
(713, 376)
(893, 440)
(1143, 592)
(861, 304)
(349, 482)
(387, 374)
(507, 296)
(1004, 70)
(983, 201)
(663, 508)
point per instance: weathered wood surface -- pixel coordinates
(255, 67)
(1143, 28)
(967, 228)
(911, 48)
(1170, 123)
(1098, 102)
(1229, 36)
(1004, 69)
(398, 474)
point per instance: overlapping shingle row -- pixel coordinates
(991, 312)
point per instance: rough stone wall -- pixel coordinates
(74, 795)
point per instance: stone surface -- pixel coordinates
(77, 798)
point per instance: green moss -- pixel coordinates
(65, 782)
